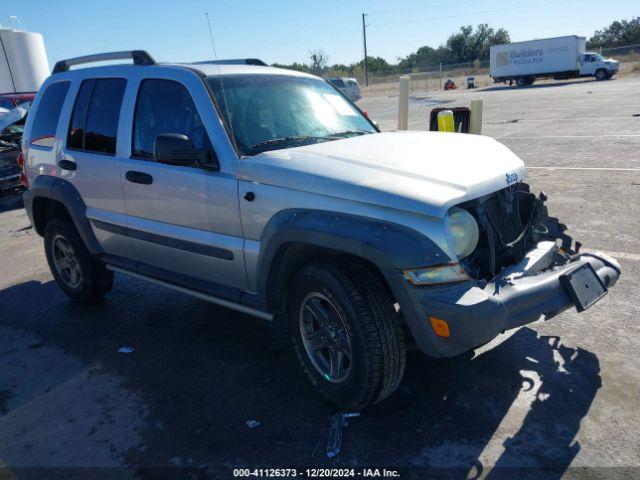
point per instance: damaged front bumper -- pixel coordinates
(534, 288)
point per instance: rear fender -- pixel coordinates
(63, 191)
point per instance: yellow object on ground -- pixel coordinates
(446, 122)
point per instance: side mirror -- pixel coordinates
(178, 149)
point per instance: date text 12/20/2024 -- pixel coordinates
(315, 473)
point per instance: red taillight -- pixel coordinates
(23, 175)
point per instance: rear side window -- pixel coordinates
(165, 106)
(43, 131)
(94, 122)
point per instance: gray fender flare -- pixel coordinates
(389, 246)
(63, 191)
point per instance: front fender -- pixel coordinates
(387, 245)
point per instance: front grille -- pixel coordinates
(505, 220)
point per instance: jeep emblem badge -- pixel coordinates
(511, 178)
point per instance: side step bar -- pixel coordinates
(202, 296)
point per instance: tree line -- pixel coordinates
(465, 46)
(618, 34)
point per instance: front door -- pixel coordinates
(182, 219)
(587, 64)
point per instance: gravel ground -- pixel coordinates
(560, 398)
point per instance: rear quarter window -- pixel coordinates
(43, 131)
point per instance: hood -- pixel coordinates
(422, 172)
(9, 117)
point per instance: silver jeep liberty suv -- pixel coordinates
(267, 191)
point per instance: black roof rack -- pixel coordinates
(139, 57)
(234, 61)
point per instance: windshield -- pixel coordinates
(597, 56)
(270, 112)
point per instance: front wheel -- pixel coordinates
(76, 272)
(601, 75)
(346, 333)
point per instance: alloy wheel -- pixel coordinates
(66, 263)
(325, 337)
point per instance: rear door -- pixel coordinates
(183, 220)
(90, 159)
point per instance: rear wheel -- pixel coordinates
(521, 82)
(601, 75)
(76, 272)
(346, 333)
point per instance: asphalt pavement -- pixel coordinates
(560, 398)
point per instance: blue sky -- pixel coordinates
(284, 31)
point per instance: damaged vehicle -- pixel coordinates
(268, 192)
(13, 113)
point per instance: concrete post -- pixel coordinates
(403, 102)
(476, 116)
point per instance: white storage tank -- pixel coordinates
(23, 61)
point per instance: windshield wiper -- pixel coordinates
(285, 141)
(303, 139)
(344, 133)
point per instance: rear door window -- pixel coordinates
(94, 122)
(75, 138)
(43, 131)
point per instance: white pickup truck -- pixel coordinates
(557, 58)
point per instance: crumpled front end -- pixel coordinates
(511, 222)
(524, 268)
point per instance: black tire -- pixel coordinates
(521, 82)
(601, 75)
(91, 280)
(372, 328)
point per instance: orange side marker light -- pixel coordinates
(440, 327)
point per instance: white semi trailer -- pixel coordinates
(557, 58)
(23, 61)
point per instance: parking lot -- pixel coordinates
(560, 398)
